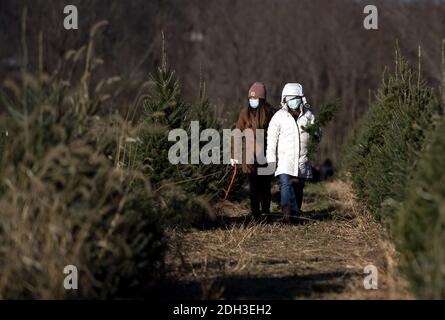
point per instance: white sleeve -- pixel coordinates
(272, 139)
(312, 119)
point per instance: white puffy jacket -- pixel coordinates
(287, 137)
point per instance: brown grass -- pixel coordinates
(321, 256)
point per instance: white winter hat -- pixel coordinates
(292, 89)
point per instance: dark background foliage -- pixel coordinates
(229, 44)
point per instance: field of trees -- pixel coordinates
(233, 43)
(85, 178)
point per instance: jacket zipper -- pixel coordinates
(299, 140)
(299, 147)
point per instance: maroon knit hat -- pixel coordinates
(257, 90)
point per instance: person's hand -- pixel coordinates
(233, 162)
(267, 170)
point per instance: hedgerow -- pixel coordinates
(388, 141)
(420, 222)
(73, 191)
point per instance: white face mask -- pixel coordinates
(254, 103)
(294, 103)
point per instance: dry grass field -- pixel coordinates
(318, 256)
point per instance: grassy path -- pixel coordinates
(320, 256)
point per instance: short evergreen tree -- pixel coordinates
(420, 222)
(322, 118)
(390, 138)
(165, 110)
(65, 202)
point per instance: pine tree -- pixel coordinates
(389, 139)
(323, 117)
(163, 111)
(192, 185)
(420, 222)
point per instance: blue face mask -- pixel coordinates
(254, 103)
(294, 103)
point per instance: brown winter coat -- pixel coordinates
(254, 119)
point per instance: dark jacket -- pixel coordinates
(254, 119)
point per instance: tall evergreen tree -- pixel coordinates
(420, 227)
(390, 138)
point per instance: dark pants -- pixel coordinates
(260, 193)
(291, 192)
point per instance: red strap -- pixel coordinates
(228, 189)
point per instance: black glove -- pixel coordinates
(268, 170)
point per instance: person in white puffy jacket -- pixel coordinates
(287, 147)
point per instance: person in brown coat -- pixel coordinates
(256, 115)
